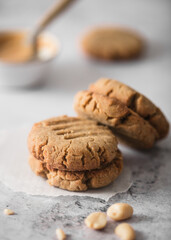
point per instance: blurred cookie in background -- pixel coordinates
(112, 43)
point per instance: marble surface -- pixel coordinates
(37, 217)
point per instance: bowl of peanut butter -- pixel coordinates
(18, 65)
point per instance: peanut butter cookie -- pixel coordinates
(126, 124)
(79, 180)
(71, 143)
(135, 101)
(112, 43)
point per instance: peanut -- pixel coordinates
(60, 234)
(125, 231)
(96, 220)
(8, 211)
(120, 211)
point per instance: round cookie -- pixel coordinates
(79, 181)
(38, 167)
(71, 143)
(112, 43)
(135, 101)
(125, 123)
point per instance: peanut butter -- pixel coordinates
(15, 47)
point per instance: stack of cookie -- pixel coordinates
(74, 153)
(135, 120)
(81, 153)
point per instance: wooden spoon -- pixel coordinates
(45, 20)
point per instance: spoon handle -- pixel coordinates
(52, 13)
(47, 18)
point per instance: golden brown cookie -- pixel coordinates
(128, 125)
(79, 180)
(71, 143)
(134, 100)
(38, 167)
(112, 43)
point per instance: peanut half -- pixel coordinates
(8, 211)
(120, 211)
(96, 220)
(60, 234)
(125, 231)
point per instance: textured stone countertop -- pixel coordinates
(37, 217)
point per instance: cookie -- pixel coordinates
(112, 43)
(79, 180)
(38, 167)
(125, 123)
(135, 101)
(71, 143)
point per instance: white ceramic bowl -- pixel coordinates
(29, 73)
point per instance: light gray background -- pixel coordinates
(150, 195)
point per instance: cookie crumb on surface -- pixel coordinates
(60, 234)
(8, 211)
